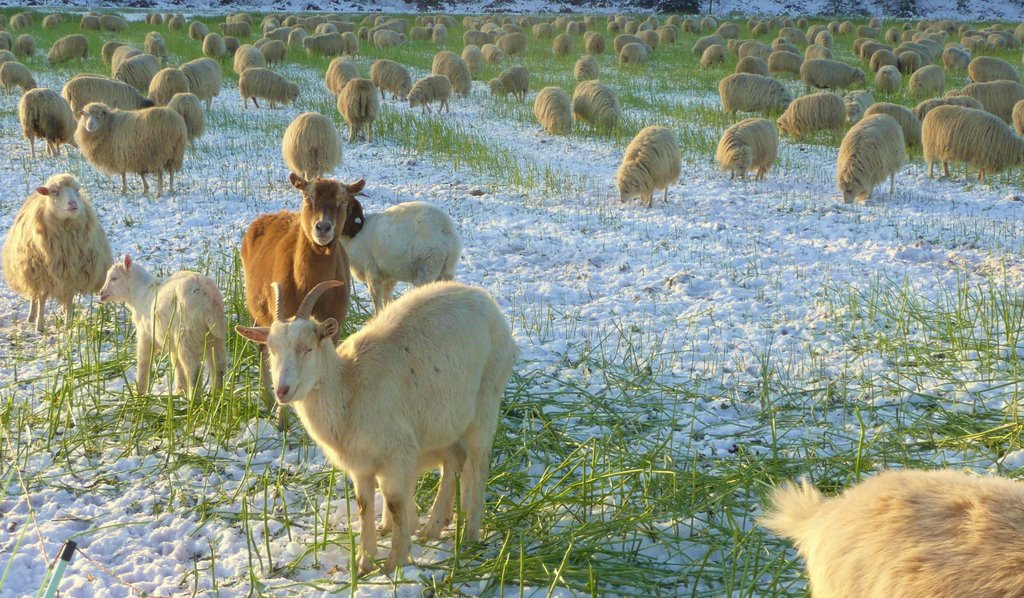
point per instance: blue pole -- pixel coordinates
(66, 552)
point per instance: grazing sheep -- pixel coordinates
(728, 30)
(753, 48)
(512, 43)
(176, 23)
(120, 53)
(265, 83)
(594, 43)
(652, 161)
(997, 97)
(89, 23)
(634, 54)
(888, 80)
(856, 102)
(713, 55)
(44, 114)
(113, 23)
(797, 37)
(492, 54)
(956, 59)
(830, 74)
(358, 104)
(433, 88)
(562, 45)
(753, 65)
(908, 62)
(138, 71)
(274, 52)
(922, 109)
(706, 42)
(187, 105)
(25, 46)
(339, 73)
(56, 248)
(586, 69)
(542, 30)
(824, 38)
(197, 30)
(143, 142)
(455, 68)
(474, 59)
(327, 44)
(752, 93)
(68, 48)
(214, 46)
(14, 74)
(236, 29)
(620, 42)
(85, 89)
(384, 38)
(391, 76)
(166, 83)
(872, 151)
(295, 37)
(449, 418)
(438, 35)
(910, 124)
(296, 252)
(987, 68)
(204, 78)
(816, 52)
(311, 146)
(823, 111)
(412, 242)
(514, 80)
(979, 138)
(784, 62)
(246, 57)
(596, 103)
(936, 535)
(182, 315)
(883, 58)
(926, 82)
(750, 144)
(1018, 117)
(51, 21)
(553, 110)
(476, 38)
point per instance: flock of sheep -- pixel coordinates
(419, 386)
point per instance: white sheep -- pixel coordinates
(311, 146)
(753, 93)
(182, 314)
(855, 103)
(429, 89)
(941, 534)
(44, 114)
(872, 151)
(411, 242)
(751, 144)
(56, 248)
(822, 111)
(420, 384)
(982, 140)
(652, 161)
(830, 74)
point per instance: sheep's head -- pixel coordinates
(93, 117)
(62, 196)
(858, 76)
(416, 98)
(292, 92)
(295, 345)
(496, 86)
(118, 286)
(325, 206)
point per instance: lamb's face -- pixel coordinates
(118, 284)
(93, 117)
(63, 202)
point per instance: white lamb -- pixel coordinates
(412, 242)
(420, 384)
(182, 314)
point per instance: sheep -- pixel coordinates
(816, 52)
(44, 114)
(14, 74)
(236, 29)
(908, 62)
(68, 48)
(166, 83)
(926, 82)
(89, 23)
(176, 23)
(752, 93)
(553, 110)
(987, 68)
(246, 57)
(296, 252)
(204, 78)
(264, 83)
(514, 80)
(358, 105)
(855, 103)
(620, 41)
(455, 68)
(328, 44)
(433, 88)
(728, 30)
(384, 38)
(187, 105)
(907, 533)
(476, 38)
(749, 144)
(823, 111)
(799, 38)
(883, 58)
(512, 43)
(910, 123)
(594, 43)
(652, 161)
(596, 103)
(922, 109)
(785, 62)
(634, 54)
(824, 38)
(339, 72)
(997, 97)
(214, 46)
(311, 146)
(956, 59)
(118, 142)
(182, 314)
(412, 242)
(586, 69)
(24, 46)
(197, 30)
(706, 42)
(439, 34)
(56, 248)
(888, 80)
(562, 45)
(391, 76)
(753, 48)
(138, 71)
(872, 151)
(51, 21)
(113, 23)
(6, 41)
(753, 65)
(85, 89)
(1018, 117)
(830, 74)
(979, 138)
(274, 52)
(713, 55)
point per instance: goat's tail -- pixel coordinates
(792, 508)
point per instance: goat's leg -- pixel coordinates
(443, 509)
(399, 477)
(144, 358)
(477, 442)
(368, 530)
(216, 362)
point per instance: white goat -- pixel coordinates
(183, 314)
(412, 242)
(420, 384)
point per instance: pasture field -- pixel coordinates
(677, 362)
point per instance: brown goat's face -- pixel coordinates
(325, 205)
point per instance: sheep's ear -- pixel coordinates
(81, 113)
(356, 187)
(257, 334)
(327, 329)
(42, 191)
(297, 181)
(127, 262)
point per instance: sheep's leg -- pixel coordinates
(145, 184)
(69, 308)
(32, 146)
(981, 175)
(124, 183)
(369, 132)
(352, 133)
(394, 487)
(446, 107)
(33, 311)
(666, 194)
(650, 199)
(381, 293)
(368, 532)
(41, 315)
(144, 358)
(931, 170)
(945, 169)
(892, 184)
(159, 183)
(171, 188)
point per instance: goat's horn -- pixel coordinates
(278, 315)
(306, 307)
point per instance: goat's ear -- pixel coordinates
(257, 334)
(327, 329)
(127, 262)
(297, 181)
(356, 187)
(81, 113)
(42, 191)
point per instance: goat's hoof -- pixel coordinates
(432, 530)
(366, 565)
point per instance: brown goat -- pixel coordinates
(299, 251)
